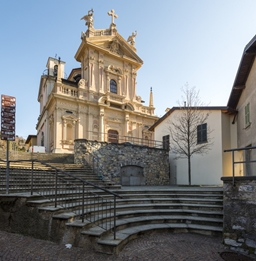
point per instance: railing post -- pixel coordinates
(93, 166)
(83, 205)
(233, 168)
(56, 187)
(114, 217)
(7, 167)
(32, 177)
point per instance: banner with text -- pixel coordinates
(8, 110)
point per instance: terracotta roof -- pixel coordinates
(242, 73)
(29, 138)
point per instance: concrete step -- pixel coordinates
(168, 199)
(152, 219)
(107, 244)
(171, 194)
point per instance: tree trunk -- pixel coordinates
(189, 171)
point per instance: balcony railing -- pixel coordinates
(234, 162)
(129, 140)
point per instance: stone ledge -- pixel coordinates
(230, 179)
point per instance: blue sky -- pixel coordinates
(198, 42)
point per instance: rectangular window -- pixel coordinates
(202, 133)
(247, 115)
(166, 142)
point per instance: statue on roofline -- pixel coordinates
(89, 19)
(131, 38)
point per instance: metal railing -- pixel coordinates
(239, 162)
(117, 138)
(65, 190)
(94, 163)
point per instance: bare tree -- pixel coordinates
(189, 133)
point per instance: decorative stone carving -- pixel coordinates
(102, 112)
(138, 98)
(115, 70)
(134, 73)
(114, 47)
(81, 83)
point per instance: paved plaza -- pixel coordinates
(156, 246)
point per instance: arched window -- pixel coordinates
(55, 70)
(113, 136)
(113, 86)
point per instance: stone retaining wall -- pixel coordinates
(239, 224)
(111, 157)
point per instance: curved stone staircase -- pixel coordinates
(140, 210)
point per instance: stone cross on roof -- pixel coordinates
(112, 13)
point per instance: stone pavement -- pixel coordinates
(156, 246)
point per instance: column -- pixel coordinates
(64, 130)
(119, 86)
(126, 125)
(108, 82)
(74, 129)
(102, 129)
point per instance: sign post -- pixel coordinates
(8, 110)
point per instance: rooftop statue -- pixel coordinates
(88, 18)
(131, 38)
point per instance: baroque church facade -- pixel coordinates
(97, 101)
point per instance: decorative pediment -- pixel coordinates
(113, 45)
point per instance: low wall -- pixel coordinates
(48, 157)
(113, 156)
(239, 204)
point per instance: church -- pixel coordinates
(97, 101)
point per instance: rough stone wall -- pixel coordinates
(239, 224)
(18, 216)
(111, 157)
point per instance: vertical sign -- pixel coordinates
(8, 109)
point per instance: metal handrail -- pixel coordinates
(117, 138)
(238, 162)
(63, 181)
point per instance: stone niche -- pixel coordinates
(239, 205)
(125, 164)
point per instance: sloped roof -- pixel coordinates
(244, 69)
(222, 108)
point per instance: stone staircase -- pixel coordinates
(88, 221)
(140, 210)
(20, 176)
